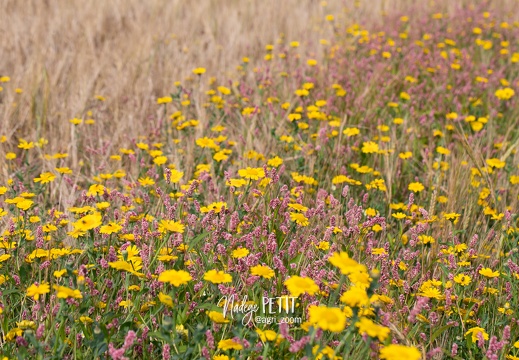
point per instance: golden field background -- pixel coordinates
(62, 53)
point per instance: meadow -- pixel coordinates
(259, 180)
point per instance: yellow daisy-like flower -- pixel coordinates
(369, 147)
(474, 333)
(45, 178)
(252, 173)
(146, 181)
(487, 272)
(240, 253)
(171, 226)
(65, 292)
(88, 222)
(263, 271)
(368, 327)
(166, 299)
(199, 71)
(217, 317)
(217, 277)
(35, 291)
(462, 279)
(400, 352)
(298, 285)
(327, 318)
(416, 187)
(216, 207)
(229, 344)
(346, 264)
(175, 277)
(299, 219)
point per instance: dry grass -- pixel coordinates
(131, 52)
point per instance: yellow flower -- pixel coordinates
(223, 357)
(45, 178)
(324, 353)
(496, 163)
(199, 71)
(240, 253)
(327, 318)
(298, 207)
(25, 145)
(416, 187)
(176, 176)
(63, 170)
(111, 228)
(217, 317)
(86, 320)
(172, 226)
(24, 204)
(175, 277)
(125, 303)
(237, 183)
(229, 344)
(346, 264)
(217, 277)
(252, 173)
(299, 218)
(405, 155)
(59, 273)
(378, 251)
(366, 326)
(206, 142)
(430, 292)
(323, 245)
(10, 156)
(166, 299)
(462, 279)
(298, 285)
(88, 222)
(275, 161)
(130, 266)
(146, 181)
(452, 116)
(504, 94)
(35, 291)
(442, 150)
(351, 131)
(400, 352)
(103, 205)
(369, 147)
(65, 292)
(220, 156)
(268, 335)
(355, 297)
(216, 207)
(451, 216)
(96, 189)
(160, 160)
(487, 272)
(399, 215)
(263, 271)
(475, 331)
(164, 100)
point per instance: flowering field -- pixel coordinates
(353, 196)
